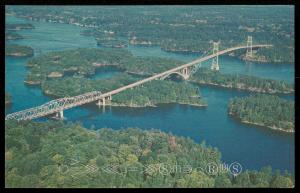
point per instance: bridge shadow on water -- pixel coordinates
(175, 78)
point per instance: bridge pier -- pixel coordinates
(185, 73)
(101, 102)
(60, 115)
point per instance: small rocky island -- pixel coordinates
(15, 50)
(19, 26)
(7, 99)
(12, 36)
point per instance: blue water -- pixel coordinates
(252, 147)
(227, 64)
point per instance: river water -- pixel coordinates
(251, 146)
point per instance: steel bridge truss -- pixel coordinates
(55, 106)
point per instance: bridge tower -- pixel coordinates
(249, 47)
(215, 62)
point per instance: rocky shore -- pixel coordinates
(260, 124)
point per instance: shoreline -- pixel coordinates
(252, 89)
(32, 83)
(18, 54)
(156, 105)
(274, 128)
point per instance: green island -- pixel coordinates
(7, 98)
(148, 94)
(56, 154)
(192, 30)
(85, 61)
(206, 76)
(15, 50)
(12, 36)
(157, 92)
(111, 43)
(19, 26)
(76, 85)
(264, 110)
(106, 39)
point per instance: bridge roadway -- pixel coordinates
(61, 104)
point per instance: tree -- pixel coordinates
(242, 180)
(222, 181)
(196, 179)
(282, 182)
(131, 159)
(58, 159)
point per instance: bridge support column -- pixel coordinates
(60, 115)
(101, 102)
(98, 103)
(215, 62)
(185, 73)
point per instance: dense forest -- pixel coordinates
(76, 85)
(241, 81)
(264, 110)
(160, 91)
(184, 28)
(18, 50)
(85, 61)
(56, 154)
